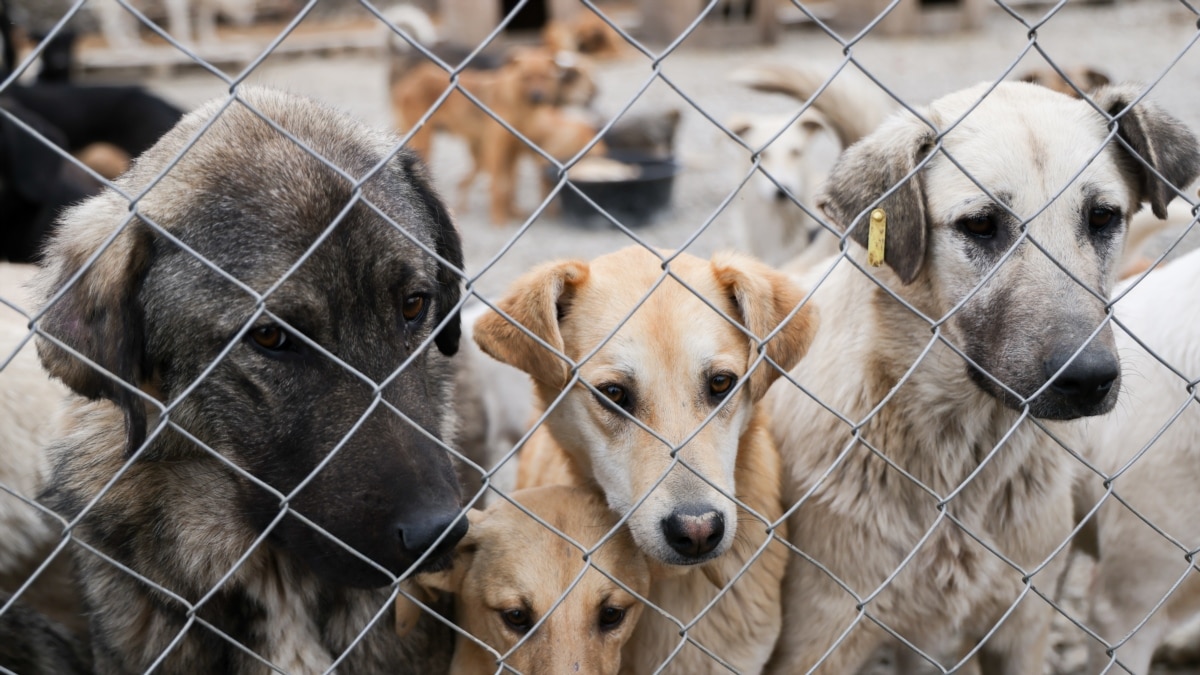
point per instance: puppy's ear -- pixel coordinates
(739, 124)
(875, 166)
(1160, 142)
(536, 301)
(763, 298)
(448, 245)
(1094, 79)
(99, 314)
(424, 587)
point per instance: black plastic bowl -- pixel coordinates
(632, 202)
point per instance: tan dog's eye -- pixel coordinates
(720, 384)
(518, 620)
(1101, 217)
(413, 307)
(611, 617)
(270, 337)
(615, 393)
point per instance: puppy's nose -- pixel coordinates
(1088, 379)
(692, 532)
(419, 534)
(781, 195)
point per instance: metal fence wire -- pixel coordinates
(922, 509)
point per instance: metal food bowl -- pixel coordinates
(633, 199)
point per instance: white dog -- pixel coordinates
(925, 499)
(774, 212)
(120, 27)
(1138, 566)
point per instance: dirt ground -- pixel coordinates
(1132, 40)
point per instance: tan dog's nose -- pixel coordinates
(694, 532)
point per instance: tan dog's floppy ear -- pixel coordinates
(423, 587)
(98, 315)
(1161, 141)
(537, 300)
(764, 298)
(873, 167)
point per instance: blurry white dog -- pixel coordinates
(120, 27)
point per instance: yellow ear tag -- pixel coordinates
(875, 238)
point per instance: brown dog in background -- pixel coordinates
(531, 79)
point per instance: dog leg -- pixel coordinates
(1020, 645)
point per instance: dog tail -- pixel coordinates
(414, 24)
(853, 104)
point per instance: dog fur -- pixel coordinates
(911, 563)
(586, 33)
(256, 404)
(660, 370)
(510, 571)
(1137, 566)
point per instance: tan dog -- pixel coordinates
(928, 496)
(530, 79)
(676, 375)
(511, 571)
(1086, 78)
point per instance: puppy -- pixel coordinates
(511, 571)
(662, 416)
(924, 499)
(587, 33)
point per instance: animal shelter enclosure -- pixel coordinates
(681, 337)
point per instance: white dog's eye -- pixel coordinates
(720, 384)
(1100, 217)
(981, 225)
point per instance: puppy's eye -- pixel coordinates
(517, 620)
(720, 384)
(980, 225)
(611, 617)
(413, 307)
(1101, 217)
(271, 338)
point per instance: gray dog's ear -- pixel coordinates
(1161, 141)
(537, 301)
(98, 315)
(868, 170)
(448, 245)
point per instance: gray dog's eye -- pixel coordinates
(413, 307)
(270, 337)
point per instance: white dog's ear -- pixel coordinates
(1160, 142)
(763, 298)
(536, 302)
(879, 164)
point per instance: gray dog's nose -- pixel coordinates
(693, 532)
(418, 535)
(1088, 379)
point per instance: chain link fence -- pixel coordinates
(925, 512)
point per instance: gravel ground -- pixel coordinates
(1132, 40)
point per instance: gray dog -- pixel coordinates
(266, 356)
